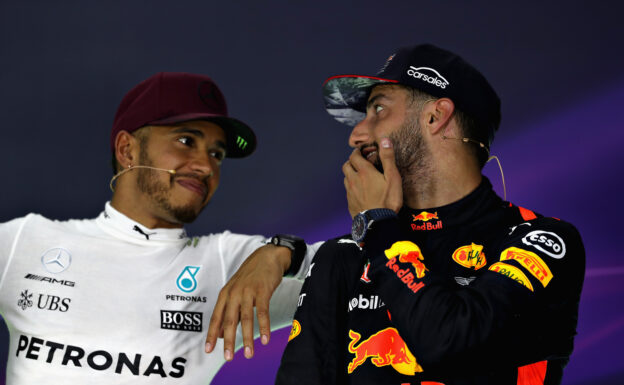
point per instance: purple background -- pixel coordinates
(558, 67)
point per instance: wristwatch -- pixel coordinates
(297, 246)
(363, 221)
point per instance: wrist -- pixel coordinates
(294, 249)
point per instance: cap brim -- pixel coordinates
(345, 96)
(240, 138)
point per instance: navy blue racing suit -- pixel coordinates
(479, 291)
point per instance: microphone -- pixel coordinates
(131, 167)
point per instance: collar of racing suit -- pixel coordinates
(119, 225)
(466, 210)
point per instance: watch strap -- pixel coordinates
(298, 248)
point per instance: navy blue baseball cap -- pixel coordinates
(427, 68)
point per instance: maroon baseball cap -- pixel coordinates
(174, 97)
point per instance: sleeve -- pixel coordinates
(235, 248)
(284, 299)
(445, 325)
(9, 232)
(311, 355)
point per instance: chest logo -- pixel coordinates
(56, 260)
(26, 300)
(386, 347)
(426, 221)
(406, 252)
(186, 280)
(470, 256)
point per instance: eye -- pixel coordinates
(219, 155)
(186, 140)
(378, 108)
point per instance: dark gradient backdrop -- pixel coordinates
(558, 67)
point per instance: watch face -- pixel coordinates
(358, 228)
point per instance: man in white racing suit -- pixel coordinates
(126, 298)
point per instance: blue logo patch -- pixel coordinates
(186, 280)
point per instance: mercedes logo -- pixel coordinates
(56, 260)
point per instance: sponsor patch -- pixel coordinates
(428, 75)
(62, 282)
(44, 302)
(386, 347)
(25, 300)
(406, 252)
(310, 270)
(512, 229)
(56, 260)
(547, 242)
(188, 321)
(426, 219)
(364, 278)
(186, 280)
(123, 364)
(470, 256)
(464, 281)
(184, 298)
(361, 302)
(513, 273)
(295, 331)
(534, 264)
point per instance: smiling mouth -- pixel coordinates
(369, 152)
(195, 186)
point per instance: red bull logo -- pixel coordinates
(470, 256)
(425, 217)
(406, 252)
(385, 347)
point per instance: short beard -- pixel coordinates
(160, 192)
(410, 153)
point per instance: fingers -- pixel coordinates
(386, 155)
(230, 322)
(264, 319)
(394, 190)
(247, 319)
(214, 328)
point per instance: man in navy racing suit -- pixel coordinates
(441, 281)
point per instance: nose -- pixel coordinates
(359, 134)
(204, 164)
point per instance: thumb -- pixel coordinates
(386, 155)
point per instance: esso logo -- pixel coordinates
(547, 242)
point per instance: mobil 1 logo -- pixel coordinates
(188, 321)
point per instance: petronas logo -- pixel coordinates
(186, 280)
(242, 143)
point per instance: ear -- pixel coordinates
(126, 149)
(438, 114)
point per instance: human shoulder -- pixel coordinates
(338, 253)
(548, 249)
(548, 235)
